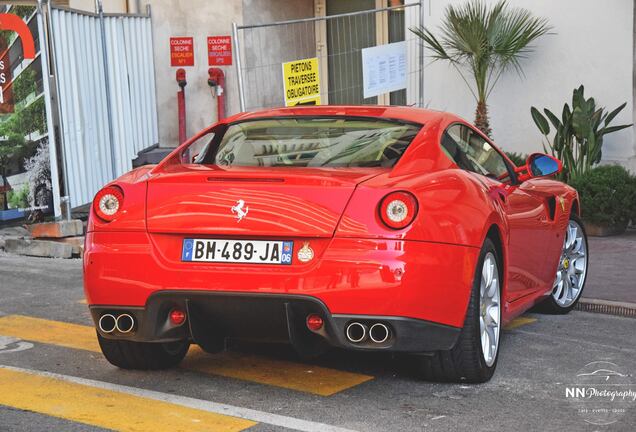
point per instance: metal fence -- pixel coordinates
(337, 42)
(104, 74)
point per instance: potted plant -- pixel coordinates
(608, 199)
(578, 137)
(484, 40)
(578, 134)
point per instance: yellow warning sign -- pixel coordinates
(301, 82)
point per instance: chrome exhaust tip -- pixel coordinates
(379, 333)
(107, 323)
(125, 323)
(356, 332)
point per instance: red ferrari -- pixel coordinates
(366, 228)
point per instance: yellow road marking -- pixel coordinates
(82, 301)
(280, 373)
(50, 332)
(518, 322)
(106, 408)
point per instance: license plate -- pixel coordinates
(237, 251)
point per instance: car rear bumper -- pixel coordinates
(212, 317)
(419, 288)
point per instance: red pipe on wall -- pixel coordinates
(216, 80)
(181, 106)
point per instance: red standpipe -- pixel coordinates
(216, 80)
(181, 106)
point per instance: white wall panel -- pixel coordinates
(83, 98)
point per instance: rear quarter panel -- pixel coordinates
(454, 208)
(133, 213)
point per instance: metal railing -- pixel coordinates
(337, 42)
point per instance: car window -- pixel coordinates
(312, 142)
(473, 153)
(196, 151)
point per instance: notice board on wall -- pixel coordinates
(181, 51)
(384, 69)
(219, 51)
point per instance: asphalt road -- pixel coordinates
(52, 377)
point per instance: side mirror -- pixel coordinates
(542, 165)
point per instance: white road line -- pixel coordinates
(10, 344)
(200, 404)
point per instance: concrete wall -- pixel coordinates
(199, 19)
(196, 18)
(592, 45)
(110, 6)
(266, 48)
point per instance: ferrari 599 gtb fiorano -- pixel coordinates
(364, 228)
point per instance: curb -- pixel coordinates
(38, 248)
(607, 307)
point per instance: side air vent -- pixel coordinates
(551, 207)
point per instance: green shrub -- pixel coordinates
(608, 195)
(578, 134)
(22, 11)
(33, 117)
(518, 159)
(24, 85)
(18, 199)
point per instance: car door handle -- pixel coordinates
(501, 195)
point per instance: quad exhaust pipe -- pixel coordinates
(379, 333)
(107, 323)
(123, 323)
(357, 332)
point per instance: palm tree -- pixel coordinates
(487, 42)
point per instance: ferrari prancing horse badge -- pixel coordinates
(240, 209)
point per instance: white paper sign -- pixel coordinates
(384, 68)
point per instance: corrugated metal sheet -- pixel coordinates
(83, 99)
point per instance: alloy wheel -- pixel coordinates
(572, 268)
(489, 309)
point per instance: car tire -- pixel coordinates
(466, 361)
(558, 302)
(143, 355)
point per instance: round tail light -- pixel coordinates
(108, 203)
(398, 209)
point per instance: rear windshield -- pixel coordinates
(311, 142)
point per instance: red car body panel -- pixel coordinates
(306, 201)
(350, 276)
(361, 267)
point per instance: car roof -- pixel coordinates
(407, 114)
